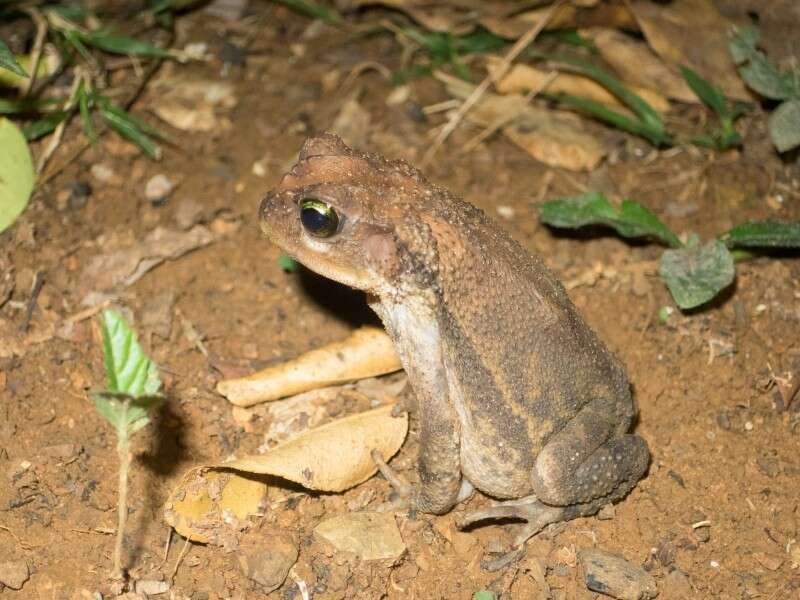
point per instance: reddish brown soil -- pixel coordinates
(724, 448)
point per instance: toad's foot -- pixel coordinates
(406, 496)
(536, 514)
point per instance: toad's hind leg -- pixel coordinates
(586, 465)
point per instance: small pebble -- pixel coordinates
(748, 426)
(505, 211)
(714, 564)
(610, 574)
(104, 174)
(14, 574)
(158, 188)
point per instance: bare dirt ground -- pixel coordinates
(708, 384)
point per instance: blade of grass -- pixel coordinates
(7, 61)
(45, 125)
(129, 128)
(86, 116)
(123, 45)
(26, 106)
(711, 95)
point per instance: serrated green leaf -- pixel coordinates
(757, 72)
(123, 45)
(484, 595)
(43, 126)
(129, 370)
(7, 61)
(711, 95)
(696, 274)
(17, 175)
(127, 415)
(763, 234)
(631, 219)
(784, 125)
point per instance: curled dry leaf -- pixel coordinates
(692, 33)
(368, 535)
(522, 78)
(210, 505)
(212, 502)
(131, 259)
(367, 352)
(638, 66)
(334, 457)
(513, 24)
(552, 137)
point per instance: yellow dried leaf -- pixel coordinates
(367, 352)
(334, 457)
(211, 502)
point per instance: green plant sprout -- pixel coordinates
(727, 112)
(764, 78)
(132, 392)
(694, 272)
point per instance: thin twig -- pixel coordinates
(181, 556)
(38, 282)
(491, 78)
(58, 134)
(38, 45)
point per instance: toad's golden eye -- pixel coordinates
(318, 217)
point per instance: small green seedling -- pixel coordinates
(763, 77)
(132, 392)
(484, 595)
(727, 112)
(694, 272)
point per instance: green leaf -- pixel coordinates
(16, 173)
(7, 61)
(123, 45)
(631, 219)
(127, 415)
(43, 126)
(287, 263)
(784, 125)
(655, 135)
(484, 595)
(130, 128)
(757, 72)
(763, 234)
(129, 370)
(695, 274)
(711, 95)
(25, 106)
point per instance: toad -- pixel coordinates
(516, 395)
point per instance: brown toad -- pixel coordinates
(517, 396)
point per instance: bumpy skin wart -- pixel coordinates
(516, 393)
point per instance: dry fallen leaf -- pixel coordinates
(692, 33)
(368, 535)
(131, 259)
(553, 137)
(367, 352)
(334, 457)
(637, 65)
(210, 505)
(522, 78)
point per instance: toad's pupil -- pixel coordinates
(318, 218)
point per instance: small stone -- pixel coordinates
(607, 513)
(151, 587)
(748, 426)
(724, 420)
(702, 534)
(79, 192)
(105, 174)
(507, 212)
(610, 574)
(62, 451)
(14, 574)
(676, 585)
(158, 188)
(266, 556)
(768, 466)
